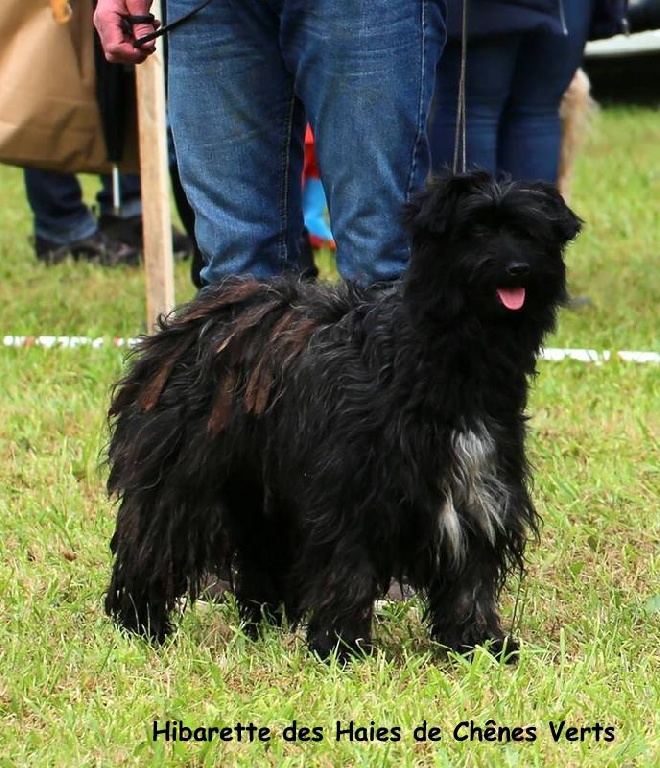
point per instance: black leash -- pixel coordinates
(128, 22)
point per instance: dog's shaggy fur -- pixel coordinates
(320, 440)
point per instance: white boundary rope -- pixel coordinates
(594, 356)
(66, 342)
(548, 353)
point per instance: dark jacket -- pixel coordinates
(493, 17)
(609, 18)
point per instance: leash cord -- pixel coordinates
(461, 127)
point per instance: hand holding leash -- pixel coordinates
(138, 30)
(119, 24)
(159, 30)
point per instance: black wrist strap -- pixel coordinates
(128, 22)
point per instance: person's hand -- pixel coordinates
(117, 42)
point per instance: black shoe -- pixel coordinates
(129, 230)
(50, 252)
(97, 249)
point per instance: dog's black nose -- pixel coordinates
(518, 268)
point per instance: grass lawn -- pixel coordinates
(75, 692)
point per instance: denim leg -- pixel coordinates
(490, 66)
(56, 200)
(130, 195)
(238, 130)
(530, 132)
(364, 70)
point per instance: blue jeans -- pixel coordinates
(60, 213)
(514, 85)
(239, 74)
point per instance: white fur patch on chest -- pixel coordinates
(474, 496)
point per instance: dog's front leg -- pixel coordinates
(260, 591)
(462, 605)
(341, 602)
(344, 636)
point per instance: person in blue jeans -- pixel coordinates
(520, 57)
(64, 226)
(243, 78)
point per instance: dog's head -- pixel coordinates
(493, 248)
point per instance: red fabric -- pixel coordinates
(311, 167)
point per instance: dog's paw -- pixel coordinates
(504, 648)
(155, 633)
(328, 646)
(255, 616)
(138, 617)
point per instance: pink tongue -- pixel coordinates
(512, 298)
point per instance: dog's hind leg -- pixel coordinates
(261, 542)
(143, 610)
(342, 602)
(161, 553)
(260, 576)
(462, 607)
(141, 591)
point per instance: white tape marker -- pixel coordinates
(66, 342)
(548, 353)
(594, 356)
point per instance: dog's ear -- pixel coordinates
(565, 224)
(431, 212)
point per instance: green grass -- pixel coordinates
(74, 691)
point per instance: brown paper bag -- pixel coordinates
(49, 117)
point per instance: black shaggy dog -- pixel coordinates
(320, 440)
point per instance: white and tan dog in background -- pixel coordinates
(575, 111)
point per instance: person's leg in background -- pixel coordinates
(56, 200)
(489, 72)
(530, 131)
(238, 130)
(530, 142)
(64, 225)
(365, 70)
(125, 224)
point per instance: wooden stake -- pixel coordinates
(154, 167)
